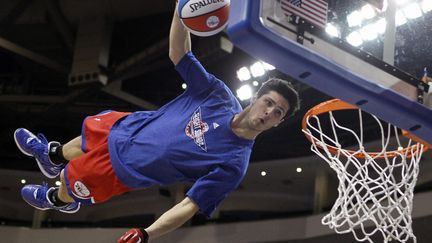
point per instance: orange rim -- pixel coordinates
(336, 105)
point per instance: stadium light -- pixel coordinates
(244, 92)
(268, 66)
(255, 83)
(381, 25)
(332, 30)
(426, 5)
(412, 11)
(354, 39)
(369, 32)
(354, 19)
(243, 74)
(409, 10)
(401, 2)
(368, 12)
(400, 18)
(257, 69)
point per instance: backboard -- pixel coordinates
(330, 64)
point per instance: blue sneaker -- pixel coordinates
(38, 147)
(37, 196)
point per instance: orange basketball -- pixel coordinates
(204, 17)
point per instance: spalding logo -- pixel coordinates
(197, 5)
(81, 190)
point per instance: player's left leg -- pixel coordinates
(43, 197)
(62, 192)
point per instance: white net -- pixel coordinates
(375, 189)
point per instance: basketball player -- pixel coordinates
(427, 96)
(202, 136)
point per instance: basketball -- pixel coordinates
(204, 17)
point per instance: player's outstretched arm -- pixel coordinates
(169, 221)
(179, 39)
(173, 218)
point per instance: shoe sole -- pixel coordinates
(38, 162)
(44, 209)
(70, 212)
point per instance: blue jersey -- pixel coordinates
(188, 139)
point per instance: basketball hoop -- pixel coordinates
(376, 189)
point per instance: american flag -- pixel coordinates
(313, 11)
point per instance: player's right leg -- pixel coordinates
(72, 149)
(39, 148)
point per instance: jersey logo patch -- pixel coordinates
(215, 125)
(196, 129)
(81, 190)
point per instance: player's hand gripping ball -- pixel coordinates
(134, 236)
(204, 17)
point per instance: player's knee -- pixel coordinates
(62, 177)
(62, 193)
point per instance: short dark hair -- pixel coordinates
(284, 88)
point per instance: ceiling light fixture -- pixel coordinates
(244, 92)
(369, 32)
(368, 11)
(268, 66)
(332, 30)
(400, 18)
(243, 74)
(257, 69)
(381, 26)
(412, 11)
(354, 19)
(355, 39)
(426, 5)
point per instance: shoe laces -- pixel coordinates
(42, 138)
(41, 192)
(41, 146)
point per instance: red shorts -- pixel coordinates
(90, 178)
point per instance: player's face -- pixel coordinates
(267, 111)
